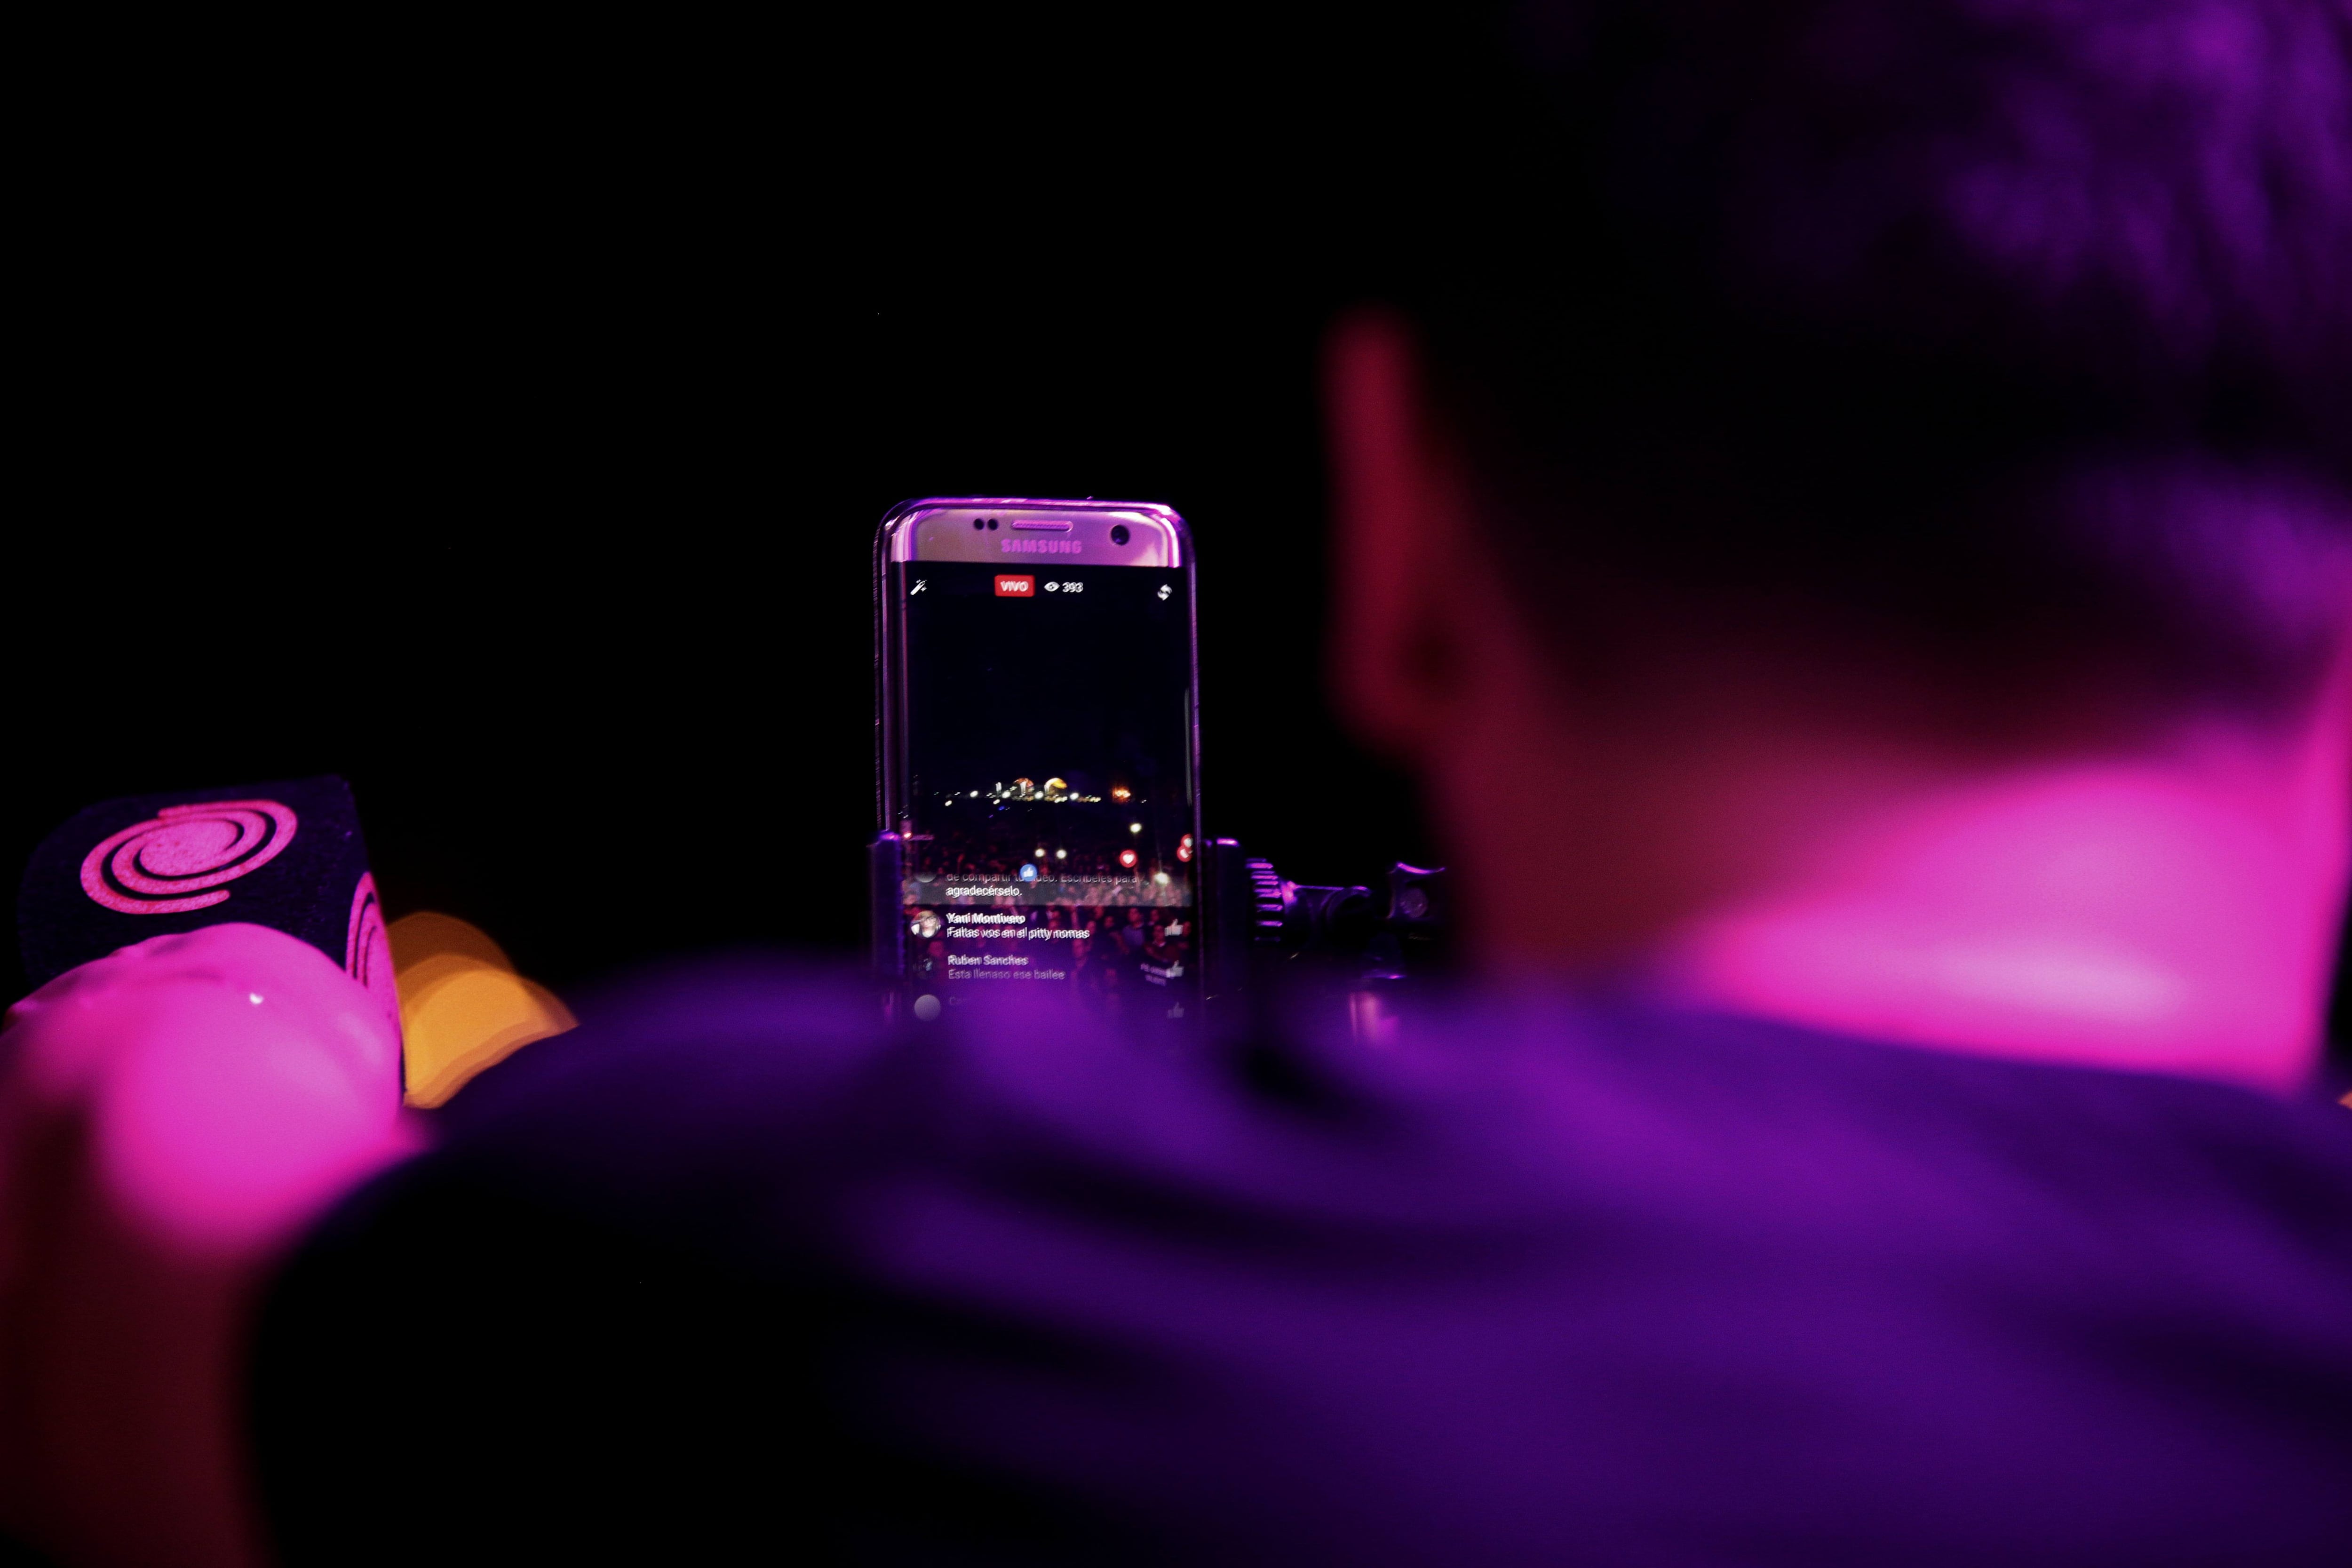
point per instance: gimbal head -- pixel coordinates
(1263, 921)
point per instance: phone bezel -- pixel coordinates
(902, 533)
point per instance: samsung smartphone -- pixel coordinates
(1039, 758)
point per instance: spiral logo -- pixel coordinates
(180, 858)
(367, 951)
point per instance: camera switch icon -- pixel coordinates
(1163, 592)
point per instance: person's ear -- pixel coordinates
(1397, 650)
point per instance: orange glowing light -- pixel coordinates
(462, 1005)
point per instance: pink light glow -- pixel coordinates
(235, 1079)
(2108, 915)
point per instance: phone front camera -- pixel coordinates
(1118, 535)
(977, 523)
(991, 525)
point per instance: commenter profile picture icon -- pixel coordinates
(925, 925)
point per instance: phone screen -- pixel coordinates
(1046, 804)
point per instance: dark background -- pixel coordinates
(588, 626)
(497, 415)
(502, 423)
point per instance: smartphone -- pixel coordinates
(1038, 768)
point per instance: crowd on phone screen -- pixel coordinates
(1128, 954)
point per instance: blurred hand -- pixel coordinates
(172, 1117)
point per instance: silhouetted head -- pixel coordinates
(2008, 338)
(1850, 503)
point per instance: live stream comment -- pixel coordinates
(978, 925)
(1046, 892)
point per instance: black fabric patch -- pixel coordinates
(287, 855)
